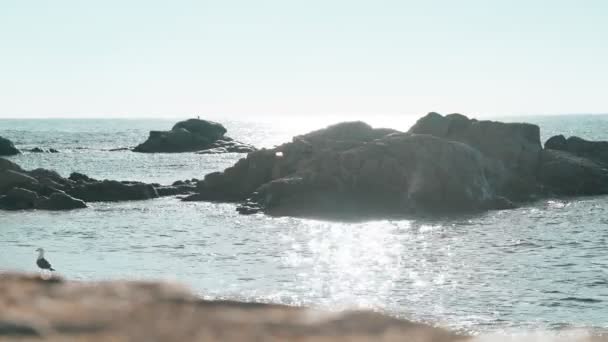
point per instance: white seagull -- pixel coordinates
(42, 262)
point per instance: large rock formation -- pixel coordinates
(47, 190)
(7, 148)
(32, 309)
(351, 168)
(190, 136)
(444, 163)
(512, 149)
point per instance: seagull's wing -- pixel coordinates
(42, 263)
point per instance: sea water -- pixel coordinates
(541, 266)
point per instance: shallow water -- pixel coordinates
(543, 266)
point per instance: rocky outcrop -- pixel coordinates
(596, 151)
(353, 169)
(444, 163)
(191, 136)
(32, 309)
(512, 149)
(564, 173)
(7, 148)
(47, 190)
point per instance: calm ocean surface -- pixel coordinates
(542, 266)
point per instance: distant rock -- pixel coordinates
(41, 150)
(7, 148)
(191, 136)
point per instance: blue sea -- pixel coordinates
(543, 266)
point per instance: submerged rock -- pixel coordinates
(7, 148)
(190, 136)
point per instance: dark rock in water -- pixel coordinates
(60, 201)
(41, 150)
(112, 191)
(18, 199)
(353, 168)
(593, 150)
(10, 179)
(564, 173)
(120, 149)
(47, 190)
(7, 148)
(190, 136)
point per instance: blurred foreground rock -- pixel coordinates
(32, 309)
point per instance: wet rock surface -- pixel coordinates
(33, 309)
(193, 135)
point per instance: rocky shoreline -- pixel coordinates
(47, 190)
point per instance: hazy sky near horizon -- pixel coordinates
(144, 58)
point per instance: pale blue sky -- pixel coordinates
(67, 58)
